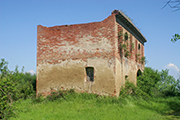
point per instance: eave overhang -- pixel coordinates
(124, 21)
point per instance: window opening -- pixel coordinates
(139, 46)
(126, 77)
(139, 73)
(90, 74)
(126, 36)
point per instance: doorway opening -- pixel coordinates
(139, 73)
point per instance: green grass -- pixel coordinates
(92, 107)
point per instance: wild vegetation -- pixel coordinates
(156, 96)
(14, 85)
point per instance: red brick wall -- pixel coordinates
(120, 41)
(66, 42)
(135, 53)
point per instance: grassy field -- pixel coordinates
(92, 107)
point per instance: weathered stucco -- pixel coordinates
(65, 52)
(72, 74)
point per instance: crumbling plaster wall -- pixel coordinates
(63, 52)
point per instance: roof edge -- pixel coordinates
(126, 20)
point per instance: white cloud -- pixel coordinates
(32, 72)
(173, 69)
(171, 65)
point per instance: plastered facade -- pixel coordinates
(65, 52)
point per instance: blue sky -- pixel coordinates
(19, 20)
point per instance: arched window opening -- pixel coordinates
(126, 36)
(90, 74)
(139, 73)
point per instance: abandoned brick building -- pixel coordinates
(95, 57)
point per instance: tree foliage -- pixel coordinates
(159, 84)
(175, 38)
(152, 83)
(130, 89)
(3, 68)
(148, 80)
(13, 86)
(168, 85)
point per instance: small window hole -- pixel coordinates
(126, 77)
(90, 74)
(139, 46)
(126, 36)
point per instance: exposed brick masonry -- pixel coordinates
(62, 42)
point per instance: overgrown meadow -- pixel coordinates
(156, 97)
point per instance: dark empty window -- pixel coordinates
(126, 77)
(126, 36)
(139, 73)
(90, 74)
(139, 46)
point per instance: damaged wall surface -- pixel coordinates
(92, 57)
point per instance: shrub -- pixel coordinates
(148, 80)
(7, 92)
(130, 89)
(61, 94)
(24, 85)
(55, 95)
(158, 84)
(37, 99)
(168, 85)
(13, 86)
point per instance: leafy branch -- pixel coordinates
(175, 38)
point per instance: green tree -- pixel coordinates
(14, 85)
(178, 84)
(159, 84)
(175, 38)
(3, 68)
(168, 84)
(7, 91)
(148, 80)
